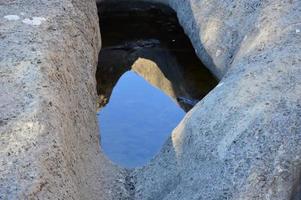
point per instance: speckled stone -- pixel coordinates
(241, 142)
(48, 130)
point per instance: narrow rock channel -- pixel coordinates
(135, 40)
(241, 141)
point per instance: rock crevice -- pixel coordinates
(242, 141)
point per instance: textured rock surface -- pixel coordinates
(48, 131)
(241, 142)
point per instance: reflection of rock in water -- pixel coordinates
(158, 51)
(156, 65)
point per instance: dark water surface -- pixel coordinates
(148, 77)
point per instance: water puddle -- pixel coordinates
(148, 77)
